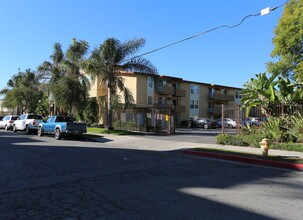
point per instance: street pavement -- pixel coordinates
(182, 140)
(136, 177)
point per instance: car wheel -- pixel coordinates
(40, 132)
(205, 126)
(27, 130)
(6, 128)
(58, 134)
(14, 128)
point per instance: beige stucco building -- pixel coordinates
(171, 99)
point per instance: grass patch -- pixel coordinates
(289, 159)
(115, 132)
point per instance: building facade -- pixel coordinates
(165, 101)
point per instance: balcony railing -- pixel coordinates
(180, 92)
(163, 106)
(221, 97)
(165, 90)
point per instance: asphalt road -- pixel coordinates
(42, 178)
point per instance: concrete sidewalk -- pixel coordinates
(142, 142)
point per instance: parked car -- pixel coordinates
(251, 122)
(61, 126)
(219, 123)
(27, 122)
(205, 123)
(8, 121)
(191, 123)
(231, 123)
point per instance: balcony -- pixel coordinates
(179, 108)
(180, 92)
(221, 97)
(163, 106)
(165, 90)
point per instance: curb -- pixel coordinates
(263, 162)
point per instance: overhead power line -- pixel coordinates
(263, 12)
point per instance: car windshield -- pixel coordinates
(15, 118)
(39, 117)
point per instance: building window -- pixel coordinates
(160, 100)
(194, 89)
(194, 104)
(149, 100)
(150, 82)
(211, 91)
(162, 83)
(238, 96)
(224, 91)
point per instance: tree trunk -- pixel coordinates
(109, 109)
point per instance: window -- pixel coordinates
(149, 100)
(238, 95)
(162, 83)
(160, 100)
(194, 89)
(194, 104)
(224, 91)
(150, 82)
(211, 91)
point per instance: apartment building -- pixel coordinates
(167, 101)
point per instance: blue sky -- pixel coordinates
(228, 57)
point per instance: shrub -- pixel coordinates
(236, 140)
(296, 128)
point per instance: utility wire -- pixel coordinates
(205, 32)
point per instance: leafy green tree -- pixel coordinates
(68, 85)
(289, 93)
(260, 91)
(107, 60)
(288, 43)
(23, 92)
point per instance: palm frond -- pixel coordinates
(140, 64)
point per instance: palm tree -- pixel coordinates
(67, 83)
(110, 57)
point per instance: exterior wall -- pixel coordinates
(203, 101)
(137, 84)
(185, 101)
(97, 88)
(177, 105)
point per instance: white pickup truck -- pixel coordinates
(27, 122)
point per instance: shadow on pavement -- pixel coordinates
(92, 182)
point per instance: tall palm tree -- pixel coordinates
(110, 57)
(67, 83)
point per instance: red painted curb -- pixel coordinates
(294, 166)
